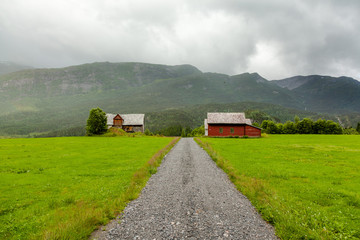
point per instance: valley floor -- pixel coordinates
(307, 186)
(62, 188)
(189, 198)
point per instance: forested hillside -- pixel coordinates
(42, 100)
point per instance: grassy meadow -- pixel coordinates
(307, 186)
(62, 188)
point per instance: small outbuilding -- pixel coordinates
(230, 124)
(127, 122)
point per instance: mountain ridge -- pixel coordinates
(316, 91)
(9, 67)
(47, 99)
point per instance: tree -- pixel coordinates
(305, 126)
(264, 124)
(358, 127)
(280, 128)
(269, 127)
(174, 130)
(96, 123)
(296, 119)
(272, 128)
(257, 116)
(332, 128)
(183, 133)
(320, 126)
(256, 124)
(289, 128)
(187, 131)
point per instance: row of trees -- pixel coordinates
(304, 126)
(96, 124)
(178, 130)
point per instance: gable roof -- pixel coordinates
(227, 118)
(118, 117)
(129, 119)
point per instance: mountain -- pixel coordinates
(137, 83)
(9, 67)
(41, 100)
(324, 93)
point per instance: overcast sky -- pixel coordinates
(276, 38)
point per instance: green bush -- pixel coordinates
(147, 132)
(304, 126)
(198, 132)
(350, 131)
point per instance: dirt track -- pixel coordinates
(189, 198)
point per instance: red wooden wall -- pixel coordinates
(239, 130)
(253, 131)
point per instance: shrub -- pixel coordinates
(147, 132)
(350, 131)
(198, 132)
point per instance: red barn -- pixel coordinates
(230, 124)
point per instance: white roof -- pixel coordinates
(129, 119)
(227, 118)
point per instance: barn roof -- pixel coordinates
(129, 119)
(227, 118)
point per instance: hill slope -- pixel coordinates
(324, 93)
(40, 100)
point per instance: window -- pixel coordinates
(221, 130)
(232, 130)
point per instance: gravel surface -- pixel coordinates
(188, 198)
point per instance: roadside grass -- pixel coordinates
(307, 186)
(64, 188)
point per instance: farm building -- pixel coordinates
(127, 122)
(229, 124)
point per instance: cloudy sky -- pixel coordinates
(276, 38)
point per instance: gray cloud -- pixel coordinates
(277, 38)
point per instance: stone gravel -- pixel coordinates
(188, 198)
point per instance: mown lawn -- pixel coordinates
(61, 188)
(307, 186)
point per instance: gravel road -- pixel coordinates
(188, 198)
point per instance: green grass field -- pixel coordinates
(307, 186)
(62, 188)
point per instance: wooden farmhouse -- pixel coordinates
(127, 122)
(230, 124)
